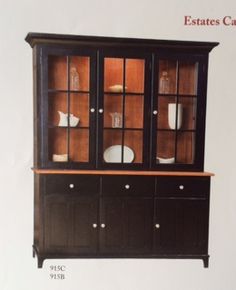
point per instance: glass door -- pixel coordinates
(70, 97)
(122, 111)
(176, 101)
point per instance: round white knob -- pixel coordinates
(181, 187)
(94, 226)
(154, 112)
(157, 226)
(103, 226)
(100, 111)
(71, 185)
(127, 186)
(92, 110)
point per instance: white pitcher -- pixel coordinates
(63, 122)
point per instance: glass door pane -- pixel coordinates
(123, 117)
(187, 110)
(57, 72)
(58, 144)
(134, 139)
(185, 149)
(166, 147)
(163, 105)
(176, 106)
(134, 111)
(79, 127)
(79, 73)
(188, 71)
(134, 75)
(113, 75)
(113, 151)
(68, 108)
(113, 111)
(167, 80)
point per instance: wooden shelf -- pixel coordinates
(55, 91)
(123, 93)
(175, 95)
(123, 172)
(124, 128)
(66, 127)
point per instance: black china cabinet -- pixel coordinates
(119, 130)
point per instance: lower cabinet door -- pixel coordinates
(126, 225)
(84, 237)
(56, 229)
(181, 226)
(70, 225)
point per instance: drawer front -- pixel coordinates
(128, 185)
(65, 183)
(186, 186)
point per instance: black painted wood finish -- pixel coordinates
(97, 216)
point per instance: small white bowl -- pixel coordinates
(116, 88)
(60, 157)
(166, 160)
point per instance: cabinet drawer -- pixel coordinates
(134, 185)
(183, 186)
(64, 183)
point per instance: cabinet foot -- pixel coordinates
(40, 262)
(206, 262)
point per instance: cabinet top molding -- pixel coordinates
(46, 38)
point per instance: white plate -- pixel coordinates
(113, 154)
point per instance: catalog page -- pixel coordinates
(117, 145)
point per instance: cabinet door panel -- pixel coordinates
(123, 108)
(178, 106)
(84, 225)
(183, 226)
(138, 222)
(68, 97)
(56, 224)
(128, 225)
(69, 224)
(112, 215)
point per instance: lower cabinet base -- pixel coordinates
(41, 258)
(121, 216)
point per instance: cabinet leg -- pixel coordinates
(206, 262)
(40, 262)
(33, 253)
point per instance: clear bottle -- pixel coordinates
(116, 120)
(164, 83)
(74, 79)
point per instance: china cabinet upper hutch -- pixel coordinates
(119, 129)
